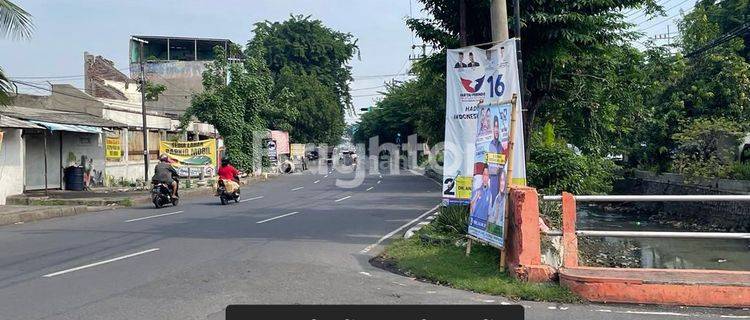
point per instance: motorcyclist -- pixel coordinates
(229, 175)
(165, 173)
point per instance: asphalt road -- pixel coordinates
(303, 238)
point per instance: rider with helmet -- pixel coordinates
(165, 173)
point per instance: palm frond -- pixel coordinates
(15, 22)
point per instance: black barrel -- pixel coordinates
(73, 178)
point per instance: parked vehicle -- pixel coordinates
(226, 196)
(161, 194)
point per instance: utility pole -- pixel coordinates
(143, 110)
(499, 20)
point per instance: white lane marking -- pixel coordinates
(297, 188)
(253, 198)
(154, 216)
(422, 174)
(365, 273)
(734, 317)
(370, 247)
(647, 313)
(378, 181)
(342, 199)
(278, 217)
(325, 176)
(316, 181)
(99, 263)
(370, 188)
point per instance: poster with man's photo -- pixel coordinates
(477, 76)
(488, 192)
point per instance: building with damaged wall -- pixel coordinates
(122, 100)
(177, 63)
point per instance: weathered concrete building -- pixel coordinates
(177, 63)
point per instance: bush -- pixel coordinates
(554, 167)
(706, 147)
(741, 171)
(452, 220)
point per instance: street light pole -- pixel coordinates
(144, 128)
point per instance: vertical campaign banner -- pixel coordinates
(489, 192)
(477, 76)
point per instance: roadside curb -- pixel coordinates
(46, 213)
(410, 233)
(88, 206)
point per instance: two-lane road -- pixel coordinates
(303, 238)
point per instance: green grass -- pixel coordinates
(447, 264)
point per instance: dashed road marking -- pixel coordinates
(365, 273)
(278, 217)
(154, 216)
(342, 199)
(675, 314)
(316, 181)
(99, 263)
(250, 199)
(370, 188)
(378, 181)
(297, 188)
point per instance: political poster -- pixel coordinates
(191, 158)
(477, 76)
(489, 192)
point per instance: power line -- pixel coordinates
(379, 76)
(659, 3)
(80, 76)
(368, 88)
(368, 95)
(744, 28)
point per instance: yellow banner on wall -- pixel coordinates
(113, 148)
(298, 150)
(190, 153)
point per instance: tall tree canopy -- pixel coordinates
(555, 35)
(245, 104)
(310, 60)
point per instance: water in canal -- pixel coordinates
(665, 253)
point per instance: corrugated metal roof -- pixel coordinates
(55, 116)
(10, 122)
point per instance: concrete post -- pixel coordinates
(569, 238)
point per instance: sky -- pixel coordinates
(65, 29)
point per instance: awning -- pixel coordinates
(68, 127)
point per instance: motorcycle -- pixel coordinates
(226, 196)
(161, 194)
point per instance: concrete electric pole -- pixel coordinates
(499, 20)
(143, 109)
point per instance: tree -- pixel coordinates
(707, 147)
(555, 34)
(15, 23)
(311, 60)
(713, 84)
(247, 104)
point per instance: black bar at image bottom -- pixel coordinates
(374, 312)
